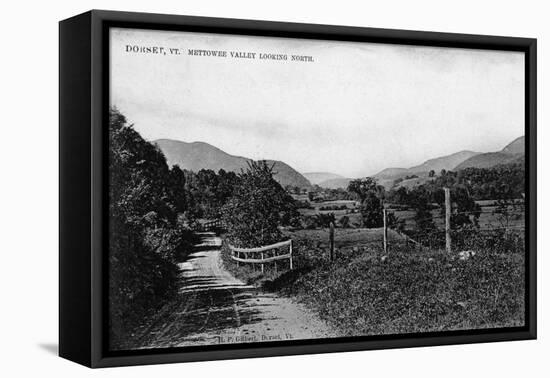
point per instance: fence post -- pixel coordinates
(331, 240)
(385, 231)
(447, 220)
(262, 264)
(290, 254)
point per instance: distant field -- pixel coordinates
(345, 237)
(350, 211)
(486, 220)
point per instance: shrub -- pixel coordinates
(344, 221)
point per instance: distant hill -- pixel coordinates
(488, 160)
(317, 177)
(286, 175)
(509, 154)
(335, 183)
(199, 155)
(387, 176)
(444, 162)
(195, 156)
(516, 147)
(389, 173)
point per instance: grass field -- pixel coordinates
(487, 218)
(365, 292)
(334, 207)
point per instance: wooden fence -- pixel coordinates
(249, 255)
(211, 225)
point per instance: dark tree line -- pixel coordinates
(498, 183)
(152, 210)
(207, 191)
(502, 183)
(146, 236)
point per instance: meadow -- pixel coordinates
(367, 291)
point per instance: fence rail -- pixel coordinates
(211, 225)
(238, 253)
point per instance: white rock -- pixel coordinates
(465, 255)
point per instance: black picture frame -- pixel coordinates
(83, 114)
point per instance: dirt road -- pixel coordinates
(217, 308)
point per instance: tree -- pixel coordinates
(144, 235)
(508, 211)
(344, 221)
(465, 211)
(258, 207)
(176, 185)
(431, 173)
(363, 187)
(370, 194)
(394, 222)
(324, 220)
(419, 199)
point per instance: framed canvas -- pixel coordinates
(234, 188)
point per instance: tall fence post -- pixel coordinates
(290, 254)
(447, 220)
(384, 213)
(331, 240)
(262, 265)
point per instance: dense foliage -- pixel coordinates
(505, 181)
(503, 184)
(370, 194)
(208, 191)
(258, 206)
(146, 236)
(500, 182)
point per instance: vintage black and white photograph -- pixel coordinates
(268, 189)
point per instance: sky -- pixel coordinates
(354, 109)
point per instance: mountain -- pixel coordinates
(335, 183)
(286, 175)
(490, 159)
(200, 155)
(445, 162)
(509, 154)
(515, 147)
(317, 177)
(391, 173)
(387, 176)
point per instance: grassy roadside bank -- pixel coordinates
(366, 292)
